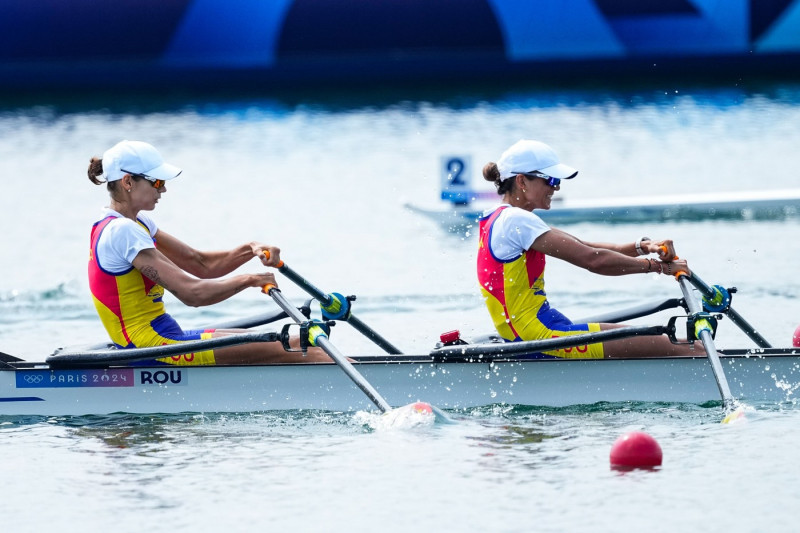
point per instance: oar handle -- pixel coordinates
(268, 287)
(679, 273)
(267, 255)
(665, 250)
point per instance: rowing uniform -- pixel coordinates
(131, 305)
(511, 276)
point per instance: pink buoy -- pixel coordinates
(422, 408)
(635, 450)
(796, 338)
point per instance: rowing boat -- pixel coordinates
(455, 374)
(462, 212)
(757, 376)
(464, 205)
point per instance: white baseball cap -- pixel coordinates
(528, 156)
(136, 157)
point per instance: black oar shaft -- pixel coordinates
(325, 299)
(749, 330)
(735, 317)
(708, 343)
(373, 335)
(126, 355)
(304, 284)
(527, 347)
(334, 353)
(623, 315)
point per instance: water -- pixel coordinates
(326, 178)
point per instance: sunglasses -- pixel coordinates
(157, 184)
(551, 181)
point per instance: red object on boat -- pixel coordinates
(422, 408)
(451, 337)
(636, 450)
(796, 338)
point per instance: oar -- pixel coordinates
(703, 331)
(720, 297)
(337, 307)
(6, 358)
(630, 313)
(318, 337)
(718, 300)
(127, 355)
(489, 352)
(262, 319)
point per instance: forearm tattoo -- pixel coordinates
(152, 273)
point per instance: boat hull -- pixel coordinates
(40, 390)
(746, 205)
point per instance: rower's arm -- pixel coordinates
(597, 259)
(665, 249)
(190, 290)
(207, 265)
(625, 249)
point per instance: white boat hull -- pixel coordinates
(746, 205)
(448, 385)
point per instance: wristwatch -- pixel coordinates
(639, 245)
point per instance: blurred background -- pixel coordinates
(166, 45)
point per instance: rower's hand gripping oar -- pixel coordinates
(317, 336)
(717, 299)
(336, 307)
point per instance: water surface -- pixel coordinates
(326, 179)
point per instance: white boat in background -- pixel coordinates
(743, 205)
(461, 206)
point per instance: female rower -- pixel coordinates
(128, 273)
(514, 243)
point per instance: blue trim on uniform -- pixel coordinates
(168, 327)
(97, 242)
(553, 319)
(489, 238)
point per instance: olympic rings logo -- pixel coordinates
(33, 378)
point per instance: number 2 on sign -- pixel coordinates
(455, 171)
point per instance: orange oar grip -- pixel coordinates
(665, 251)
(266, 254)
(268, 287)
(680, 273)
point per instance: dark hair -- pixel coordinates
(95, 170)
(492, 173)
